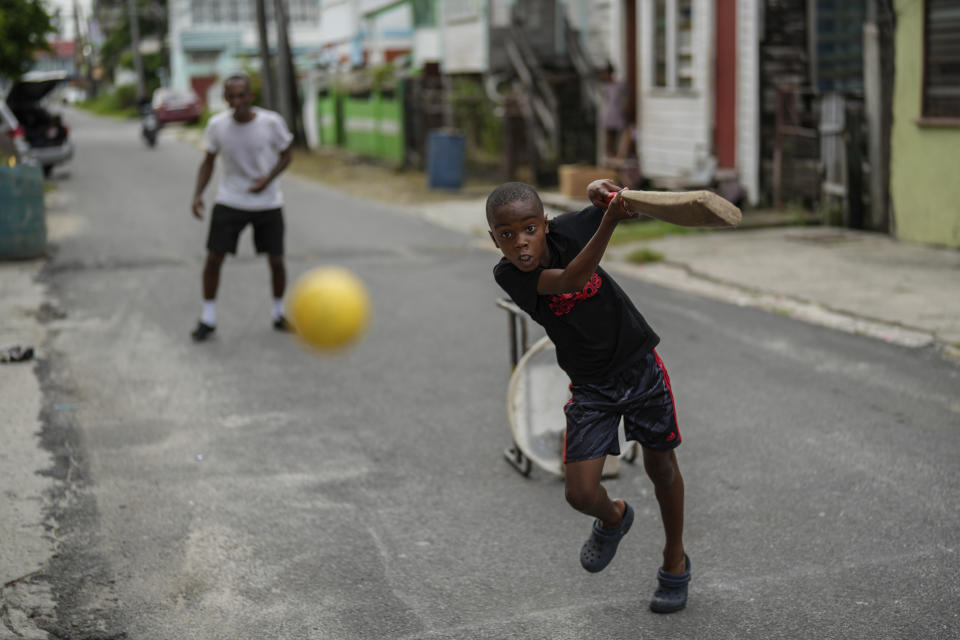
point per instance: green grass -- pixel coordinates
(633, 230)
(644, 255)
(107, 104)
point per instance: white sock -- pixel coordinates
(277, 308)
(209, 314)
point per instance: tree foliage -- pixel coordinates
(24, 25)
(152, 21)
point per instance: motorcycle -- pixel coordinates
(149, 127)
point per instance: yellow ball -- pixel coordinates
(329, 307)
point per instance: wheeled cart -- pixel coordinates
(536, 394)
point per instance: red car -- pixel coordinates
(174, 105)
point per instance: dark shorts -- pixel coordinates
(226, 223)
(641, 394)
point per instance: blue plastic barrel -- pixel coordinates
(445, 151)
(23, 225)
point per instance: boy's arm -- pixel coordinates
(203, 177)
(282, 163)
(576, 274)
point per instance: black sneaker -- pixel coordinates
(202, 332)
(281, 324)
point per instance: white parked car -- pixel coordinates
(36, 134)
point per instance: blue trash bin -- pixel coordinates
(445, 151)
(23, 225)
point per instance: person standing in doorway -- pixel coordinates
(256, 146)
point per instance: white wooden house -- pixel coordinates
(693, 69)
(698, 100)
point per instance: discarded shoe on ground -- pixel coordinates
(16, 354)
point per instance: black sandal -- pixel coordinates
(671, 595)
(601, 546)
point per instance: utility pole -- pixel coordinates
(266, 73)
(77, 41)
(135, 44)
(283, 64)
(286, 80)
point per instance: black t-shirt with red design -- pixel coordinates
(596, 331)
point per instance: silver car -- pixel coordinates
(34, 134)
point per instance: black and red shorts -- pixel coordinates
(226, 223)
(640, 394)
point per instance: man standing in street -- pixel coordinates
(256, 147)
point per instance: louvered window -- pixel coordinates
(941, 59)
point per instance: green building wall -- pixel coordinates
(925, 159)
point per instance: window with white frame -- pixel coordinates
(216, 12)
(219, 11)
(204, 57)
(454, 10)
(303, 11)
(424, 13)
(673, 44)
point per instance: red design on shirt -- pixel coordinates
(563, 303)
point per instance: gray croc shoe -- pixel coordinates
(671, 594)
(601, 546)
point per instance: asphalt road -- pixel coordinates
(249, 488)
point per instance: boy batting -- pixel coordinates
(551, 270)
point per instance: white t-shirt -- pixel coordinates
(249, 151)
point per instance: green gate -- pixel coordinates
(367, 124)
(329, 118)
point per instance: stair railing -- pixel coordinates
(540, 106)
(591, 87)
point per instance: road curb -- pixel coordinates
(681, 277)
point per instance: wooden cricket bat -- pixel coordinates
(686, 208)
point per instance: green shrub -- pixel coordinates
(475, 115)
(152, 65)
(125, 97)
(121, 102)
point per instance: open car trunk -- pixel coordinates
(42, 128)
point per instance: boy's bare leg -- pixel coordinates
(663, 470)
(585, 493)
(278, 275)
(211, 275)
